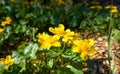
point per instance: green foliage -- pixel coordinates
(30, 17)
(116, 34)
(53, 61)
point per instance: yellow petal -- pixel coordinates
(56, 37)
(76, 49)
(3, 23)
(65, 39)
(84, 56)
(57, 44)
(91, 42)
(51, 29)
(8, 57)
(92, 51)
(1, 30)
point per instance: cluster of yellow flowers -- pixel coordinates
(65, 34)
(113, 8)
(96, 7)
(83, 47)
(7, 21)
(4, 23)
(7, 61)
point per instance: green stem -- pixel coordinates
(63, 46)
(109, 37)
(114, 66)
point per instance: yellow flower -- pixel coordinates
(59, 2)
(92, 7)
(65, 34)
(8, 20)
(42, 37)
(68, 35)
(58, 30)
(3, 23)
(96, 7)
(114, 7)
(7, 61)
(1, 30)
(75, 37)
(78, 46)
(99, 7)
(107, 7)
(111, 7)
(114, 10)
(84, 47)
(48, 41)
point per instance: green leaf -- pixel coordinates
(50, 63)
(9, 8)
(116, 34)
(52, 53)
(22, 65)
(75, 71)
(77, 64)
(28, 48)
(34, 50)
(23, 22)
(15, 53)
(54, 20)
(1, 69)
(22, 46)
(90, 63)
(73, 23)
(17, 60)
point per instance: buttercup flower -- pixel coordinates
(48, 41)
(7, 61)
(68, 35)
(58, 30)
(7, 21)
(65, 34)
(84, 47)
(3, 23)
(99, 7)
(112, 7)
(96, 7)
(92, 7)
(114, 10)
